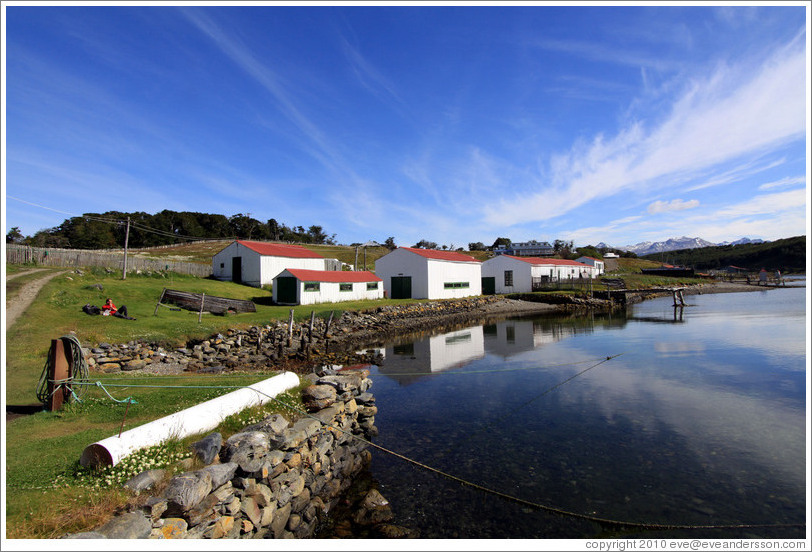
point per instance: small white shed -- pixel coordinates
(511, 274)
(257, 263)
(597, 264)
(296, 286)
(412, 273)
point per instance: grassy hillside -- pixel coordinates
(787, 255)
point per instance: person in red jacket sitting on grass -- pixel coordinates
(109, 309)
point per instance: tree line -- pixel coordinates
(111, 229)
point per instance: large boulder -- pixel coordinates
(248, 450)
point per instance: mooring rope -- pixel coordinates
(78, 365)
(527, 503)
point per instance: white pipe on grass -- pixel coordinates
(196, 419)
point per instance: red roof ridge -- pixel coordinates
(280, 249)
(333, 275)
(442, 255)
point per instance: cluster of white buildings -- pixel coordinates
(300, 276)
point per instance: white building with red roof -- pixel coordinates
(257, 263)
(511, 274)
(412, 273)
(297, 286)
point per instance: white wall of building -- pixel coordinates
(522, 274)
(429, 276)
(404, 263)
(596, 264)
(330, 292)
(441, 273)
(273, 266)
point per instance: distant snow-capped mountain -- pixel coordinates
(742, 241)
(672, 244)
(646, 248)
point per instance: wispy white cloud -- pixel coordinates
(788, 181)
(673, 205)
(706, 128)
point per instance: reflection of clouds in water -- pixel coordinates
(678, 348)
(720, 426)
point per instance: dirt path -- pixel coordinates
(17, 304)
(23, 273)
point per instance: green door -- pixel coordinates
(488, 285)
(401, 287)
(286, 290)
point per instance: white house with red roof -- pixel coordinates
(257, 263)
(298, 286)
(597, 264)
(511, 274)
(412, 273)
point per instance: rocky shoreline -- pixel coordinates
(303, 346)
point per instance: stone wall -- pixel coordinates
(275, 479)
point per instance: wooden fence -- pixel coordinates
(47, 256)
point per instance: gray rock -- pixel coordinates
(221, 473)
(208, 448)
(145, 480)
(308, 425)
(129, 526)
(247, 449)
(365, 398)
(319, 392)
(273, 425)
(187, 490)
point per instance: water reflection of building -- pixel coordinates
(411, 360)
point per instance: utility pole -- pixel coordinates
(126, 242)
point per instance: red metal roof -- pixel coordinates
(280, 250)
(543, 261)
(442, 255)
(342, 276)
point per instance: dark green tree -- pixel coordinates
(15, 236)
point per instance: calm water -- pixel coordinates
(700, 421)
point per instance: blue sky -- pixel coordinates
(455, 123)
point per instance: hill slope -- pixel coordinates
(787, 255)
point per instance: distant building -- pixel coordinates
(257, 263)
(610, 256)
(412, 273)
(532, 248)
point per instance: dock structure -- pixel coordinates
(676, 292)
